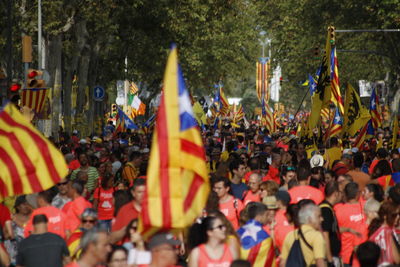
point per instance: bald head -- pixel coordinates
(254, 182)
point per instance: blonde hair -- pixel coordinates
(270, 186)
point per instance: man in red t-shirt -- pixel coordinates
(351, 221)
(304, 190)
(76, 207)
(129, 211)
(56, 218)
(273, 172)
(253, 194)
(228, 205)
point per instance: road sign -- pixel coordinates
(98, 93)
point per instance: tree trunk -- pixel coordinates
(56, 100)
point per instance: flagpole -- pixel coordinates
(301, 103)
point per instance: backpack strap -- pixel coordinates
(325, 205)
(304, 239)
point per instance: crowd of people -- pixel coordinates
(272, 202)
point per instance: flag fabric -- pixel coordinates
(365, 130)
(262, 79)
(336, 96)
(34, 98)
(28, 161)
(239, 114)
(256, 245)
(125, 121)
(138, 107)
(355, 114)
(325, 114)
(374, 110)
(336, 125)
(395, 131)
(224, 104)
(322, 94)
(312, 84)
(177, 178)
(133, 88)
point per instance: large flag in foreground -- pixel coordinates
(177, 178)
(28, 161)
(34, 98)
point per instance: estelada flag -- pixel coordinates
(28, 161)
(177, 179)
(34, 98)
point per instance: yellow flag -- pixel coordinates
(355, 114)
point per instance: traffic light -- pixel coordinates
(15, 86)
(332, 36)
(281, 80)
(34, 79)
(113, 110)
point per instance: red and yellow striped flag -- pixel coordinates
(34, 98)
(177, 177)
(262, 79)
(28, 161)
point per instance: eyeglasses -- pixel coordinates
(59, 184)
(134, 228)
(88, 221)
(220, 227)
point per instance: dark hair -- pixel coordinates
(40, 218)
(304, 164)
(292, 183)
(78, 185)
(219, 179)
(351, 190)
(46, 196)
(368, 254)
(382, 153)
(240, 263)
(256, 209)
(138, 182)
(105, 180)
(377, 190)
(382, 168)
(254, 163)
(115, 248)
(396, 165)
(331, 188)
(234, 164)
(134, 155)
(212, 203)
(388, 211)
(291, 214)
(198, 231)
(129, 226)
(394, 194)
(303, 174)
(121, 197)
(358, 159)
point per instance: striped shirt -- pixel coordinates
(93, 176)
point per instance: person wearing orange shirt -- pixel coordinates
(282, 225)
(273, 172)
(351, 221)
(56, 218)
(253, 194)
(360, 177)
(304, 190)
(77, 205)
(381, 154)
(129, 211)
(228, 205)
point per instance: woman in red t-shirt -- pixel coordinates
(208, 244)
(103, 200)
(382, 232)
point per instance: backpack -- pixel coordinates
(296, 257)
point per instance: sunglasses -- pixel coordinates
(291, 168)
(220, 227)
(89, 221)
(134, 228)
(62, 183)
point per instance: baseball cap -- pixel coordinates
(161, 239)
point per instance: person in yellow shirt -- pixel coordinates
(314, 251)
(334, 152)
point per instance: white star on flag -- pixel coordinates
(251, 230)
